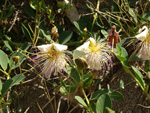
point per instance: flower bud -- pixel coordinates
(81, 63)
(54, 33)
(16, 58)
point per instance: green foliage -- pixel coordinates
(139, 76)
(108, 110)
(0, 85)
(65, 36)
(17, 79)
(4, 60)
(75, 75)
(81, 101)
(121, 84)
(103, 102)
(6, 86)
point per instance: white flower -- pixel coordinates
(98, 55)
(144, 36)
(51, 59)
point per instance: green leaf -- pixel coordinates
(121, 84)
(77, 54)
(3, 60)
(6, 86)
(81, 101)
(121, 58)
(77, 26)
(8, 46)
(103, 102)
(29, 11)
(34, 4)
(45, 34)
(65, 36)
(121, 51)
(118, 47)
(139, 76)
(93, 106)
(17, 78)
(0, 85)
(63, 90)
(116, 95)
(105, 33)
(108, 110)
(9, 11)
(87, 80)
(85, 23)
(98, 93)
(75, 75)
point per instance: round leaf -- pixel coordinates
(103, 102)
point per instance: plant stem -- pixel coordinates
(35, 39)
(95, 14)
(87, 100)
(8, 76)
(128, 71)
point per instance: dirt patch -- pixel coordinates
(133, 95)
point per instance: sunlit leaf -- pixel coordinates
(75, 75)
(0, 85)
(81, 101)
(99, 92)
(63, 90)
(116, 95)
(103, 102)
(34, 4)
(121, 84)
(17, 78)
(3, 60)
(45, 34)
(139, 76)
(108, 110)
(105, 33)
(8, 46)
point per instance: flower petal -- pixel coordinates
(44, 48)
(84, 46)
(92, 41)
(143, 33)
(59, 47)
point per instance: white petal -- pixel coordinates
(92, 41)
(84, 46)
(44, 48)
(143, 34)
(66, 1)
(59, 47)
